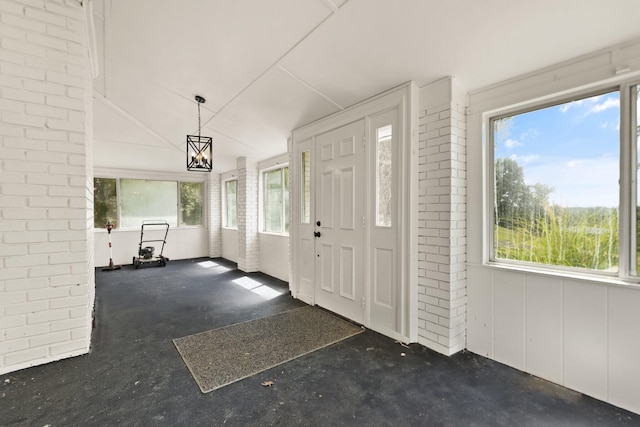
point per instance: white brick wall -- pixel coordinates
(46, 203)
(215, 215)
(247, 196)
(442, 226)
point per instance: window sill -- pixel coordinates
(273, 233)
(602, 279)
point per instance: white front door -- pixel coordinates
(339, 226)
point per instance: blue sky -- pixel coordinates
(573, 147)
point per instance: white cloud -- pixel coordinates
(574, 163)
(611, 125)
(565, 107)
(512, 143)
(523, 160)
(608, 103)
(529, 134)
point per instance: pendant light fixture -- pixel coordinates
(199, 148)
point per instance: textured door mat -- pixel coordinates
(222, 356)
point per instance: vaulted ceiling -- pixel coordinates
(267, 67)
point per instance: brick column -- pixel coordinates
(442, 218)
(247, 194)
(46, 202)
(215, 216)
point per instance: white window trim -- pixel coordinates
(261, 205)
(627, 174)
(225, 221)
(99, 173)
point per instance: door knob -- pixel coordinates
(316, 233)
(318, 223)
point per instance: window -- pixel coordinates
(276, 200)
(555, 188)
(105, 206)
(191, 197)
(306, 187)
(231, 194)
(141, 199)
(384, 177)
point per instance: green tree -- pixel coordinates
(512, 195)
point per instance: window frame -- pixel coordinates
(225, 210)
(286, 220)
(118, 179)
(628, 175)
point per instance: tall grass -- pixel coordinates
(573, 237)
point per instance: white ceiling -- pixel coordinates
(267, 67)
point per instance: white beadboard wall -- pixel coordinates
(580, 332)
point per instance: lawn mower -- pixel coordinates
(146, 253)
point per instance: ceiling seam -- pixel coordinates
(110, 104)
(269, 68)
(331, 5)
(309, 86)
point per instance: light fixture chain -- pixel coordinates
(198, 120)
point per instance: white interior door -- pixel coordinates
(339, 226)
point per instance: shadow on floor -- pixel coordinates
(134, 375)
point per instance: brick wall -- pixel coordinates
(247, 196)
(441, 220)
(215, 215)
(46, 265)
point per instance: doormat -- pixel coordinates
(223, 356)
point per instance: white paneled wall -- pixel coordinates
(274, 255)
(230, 244)
(182, 243)
(581, 332)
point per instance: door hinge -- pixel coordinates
(364, 224)
(364, 305)
(364, 140)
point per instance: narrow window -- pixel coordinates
(384, 181)
(276, 200)
(231, 201)
(306, 187)
(105, 202)
(556, 195)
(191, 197)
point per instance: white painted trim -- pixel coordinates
(405, 98)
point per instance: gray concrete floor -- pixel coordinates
(135, 377)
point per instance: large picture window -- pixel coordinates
(555, 189)
(276, 200)
(142, 199)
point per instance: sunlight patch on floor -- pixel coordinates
(257, 288)
(208, 264)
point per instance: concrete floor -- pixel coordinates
(134, 375)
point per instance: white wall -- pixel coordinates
(230, 244)
(182, 243)
(46, 206)
(581, 332)
(274, 255)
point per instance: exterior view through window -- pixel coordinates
(231, 216)
(142, 199)
(384, 177)
(556, 194)
(276, 200)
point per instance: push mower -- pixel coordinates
(145, 253)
